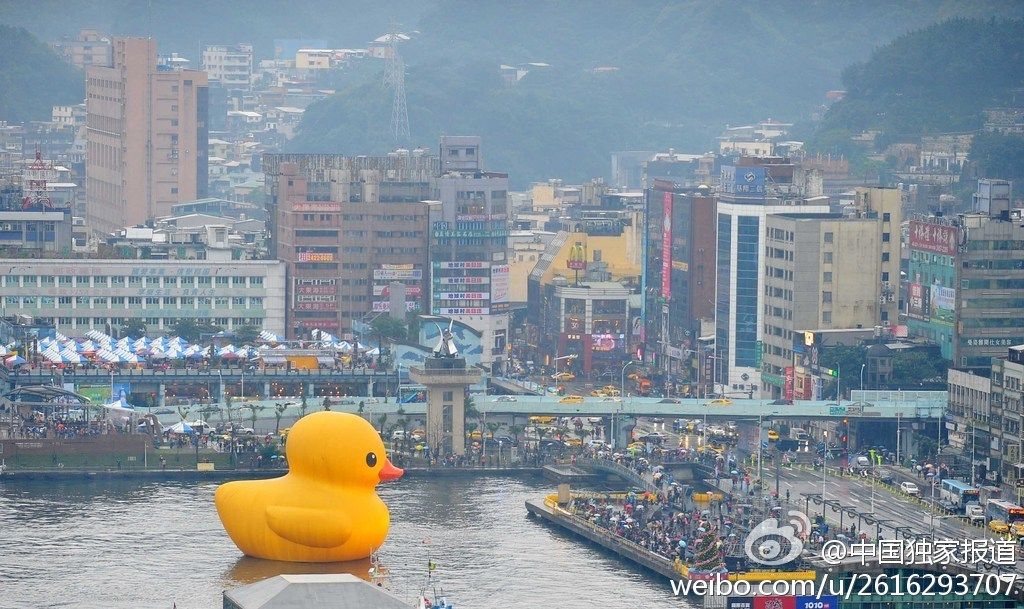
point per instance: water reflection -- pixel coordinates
(247, 570)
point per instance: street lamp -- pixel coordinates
(862, 376)
(824, 470)
(622, 395)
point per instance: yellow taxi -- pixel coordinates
(417, 435)
(998, 526)
(720, 402)
(1017, 529)
(598, 393)
(773, 436)
(574, 442)
(611, 391)
(563, 376)
(475, 435)
(571, 399)
(542, 420)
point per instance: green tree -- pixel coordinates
(133, 327)
(228, 407)
(493, 428)
(193, 331)
(916, 368)
(381, 421)
(515, 430)
(389, 327)
(847, 360)
(246, 334)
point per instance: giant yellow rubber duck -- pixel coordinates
(326, 508)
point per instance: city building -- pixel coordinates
(347, 227)
(679, 276)
(965, 284)
(822, 272)
(81, 295)
(146, 136)
(749, 192)
(993, 196)
(90, 48)
(229, 65)
(985, 420)
(628, 168)
(469, 253)
(37, 232)
(685, 170)
(590, 320)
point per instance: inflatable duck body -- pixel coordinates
(326, 508)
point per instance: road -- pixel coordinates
(855, 492)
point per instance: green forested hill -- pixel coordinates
(33, 78)
(937, 79)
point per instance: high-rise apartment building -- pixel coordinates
(469, 245)
(679, 275)
(822, 272)
(146, 136)
(348, 228)
(749, 192)
(229, 65)
(965, 283)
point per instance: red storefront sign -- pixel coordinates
(774, 602)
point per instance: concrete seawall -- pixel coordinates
(26, 475)
(628, 550)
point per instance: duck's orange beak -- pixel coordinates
(390, 472)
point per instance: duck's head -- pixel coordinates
(341, 448)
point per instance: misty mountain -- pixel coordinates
(33, 78)
(673, 74)
(937, 79)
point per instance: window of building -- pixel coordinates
(597, 255)
(826, 297)
(223, 282)
(829, 237)
(828, 257)
(886, 217)
(826, 317)
(448, 396)
(64, 301)
(65, 280)
(885, 256)
(827, 276)
(885, 276)
(885, 237)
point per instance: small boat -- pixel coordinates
(438, 600)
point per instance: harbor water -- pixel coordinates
(132, 544)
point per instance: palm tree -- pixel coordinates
(228, 407)
(278, 413)
(381, 420)
(515, 430)
(254, 410)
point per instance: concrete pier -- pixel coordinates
(552, 514)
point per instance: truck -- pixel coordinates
(975, 513)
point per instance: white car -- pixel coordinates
(504, 398)
(611, 399)
(595, 420)
(910, 488)
(398, 435)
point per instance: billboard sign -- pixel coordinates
(943, 305)
(463, 265)
(462, 311)
(499, 284)
(934, 238)
(787, 386)
(918, 305)
(410, 290)
(397, 274)
(666, 245)
(462, 296)
(602, 342)
(385, 306)
(315, 257)
(743, 181)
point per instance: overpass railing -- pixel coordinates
(619, 470)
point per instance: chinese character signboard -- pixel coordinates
(919, 306)
(934, 238)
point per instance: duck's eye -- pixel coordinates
(371, 459)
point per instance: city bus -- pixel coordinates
(958, 493)
(997, 509)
